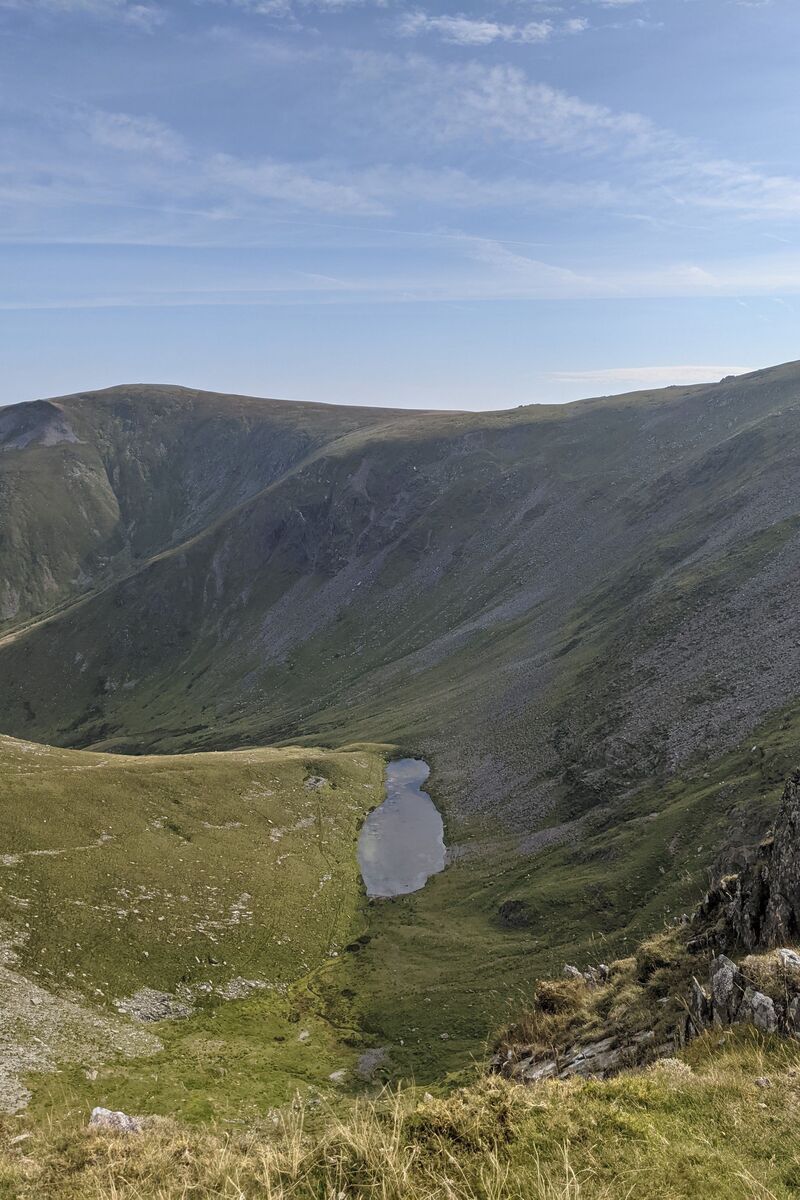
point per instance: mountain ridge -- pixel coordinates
(582, 617)
(398, 447)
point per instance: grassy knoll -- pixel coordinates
(162, 872)
(222, 880)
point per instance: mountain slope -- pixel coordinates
(568, 584)
(93, 483)
(582, 616)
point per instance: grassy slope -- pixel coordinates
(186, 873)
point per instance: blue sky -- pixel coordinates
(451, 203)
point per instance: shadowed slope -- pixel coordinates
(93, 483)
(548, 601)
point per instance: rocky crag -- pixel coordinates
(760, 907)
(605, 1019)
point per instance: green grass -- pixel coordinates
(163, 872)
(186, 875)
(234, 1062)
(406, 972)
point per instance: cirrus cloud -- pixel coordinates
(143, 16)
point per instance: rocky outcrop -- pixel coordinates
(735, 998)
(732, 995)
(593, 976)
(757, 910)
(595, 1060)
(760, 908)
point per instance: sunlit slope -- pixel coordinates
(185, 875)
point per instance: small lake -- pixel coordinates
(401, 843)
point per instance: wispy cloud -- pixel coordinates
(471, 151)
(143, 16)
(473, 101)
(120, 158)
(286, 10)
(470, 31)
(464, 30)
(288, 184)
(136, 135)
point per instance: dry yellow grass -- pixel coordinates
(709, 1128)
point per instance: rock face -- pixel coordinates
(733, 999)
(760, 908)
(595, 1060)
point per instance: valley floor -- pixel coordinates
(166, 873)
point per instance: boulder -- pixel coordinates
(789, 958)
(120, 1122)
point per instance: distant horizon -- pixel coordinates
(310, 400)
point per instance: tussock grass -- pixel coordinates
(701, 1128)
(642, 992)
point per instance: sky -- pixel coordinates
(422, 203)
